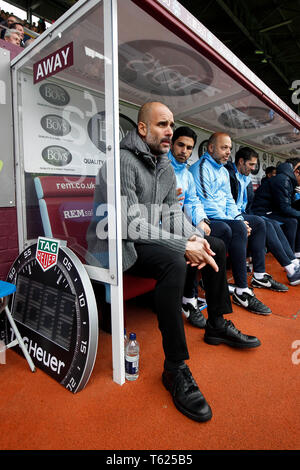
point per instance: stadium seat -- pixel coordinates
(66, 208)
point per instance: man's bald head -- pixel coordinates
(155, 126)
(146, 110)
(214, 137)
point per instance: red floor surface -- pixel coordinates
(254, 394)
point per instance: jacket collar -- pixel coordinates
(233, 171)
(242, 178)
(176, 165)
(134, 143)
(213, 162)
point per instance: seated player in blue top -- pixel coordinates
(182, 144)
(242, 230)
(243, 193)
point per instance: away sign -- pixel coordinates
(53, 63)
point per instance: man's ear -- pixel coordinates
(142, 129)
(240, 163)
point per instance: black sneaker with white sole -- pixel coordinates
(251, 303)
(267, 282)
(193, 315)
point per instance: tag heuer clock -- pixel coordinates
(56, 313)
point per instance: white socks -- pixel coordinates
(290, 268)
(241, 290)
(259, 275)
(192, 301)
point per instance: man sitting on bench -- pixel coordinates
(159, 242)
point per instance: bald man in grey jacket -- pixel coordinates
(159, 242)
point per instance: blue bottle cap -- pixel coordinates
(132, 336)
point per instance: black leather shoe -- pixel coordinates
(186, 395)
(229, 335)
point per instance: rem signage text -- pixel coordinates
(53, 63)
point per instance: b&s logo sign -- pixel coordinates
(54, 94)
(47, 252)
(56, 155)
(55, 125)
(97, 129)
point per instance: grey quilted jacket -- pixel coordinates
(150, 209)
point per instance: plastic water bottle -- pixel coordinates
(132, 355)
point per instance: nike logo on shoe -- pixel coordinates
(251, 303)
(265, 284)
(268, 282)
(245, 303)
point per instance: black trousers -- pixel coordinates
(236, 241)
(174, 279)
(291, 228)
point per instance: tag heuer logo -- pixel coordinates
(47, 252)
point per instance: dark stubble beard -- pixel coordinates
(154, 145)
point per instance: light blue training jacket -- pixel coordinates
(192, 205)
(242, 199)
(213, 188)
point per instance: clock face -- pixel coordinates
(56, 314)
